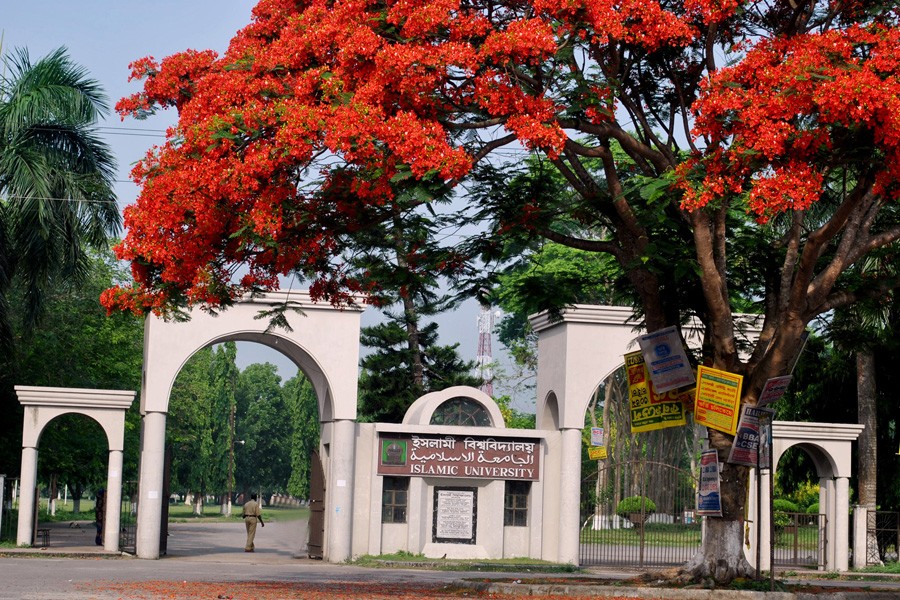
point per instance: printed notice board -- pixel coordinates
(745, 447)
(709, 500)
(648, 409)
(666, 360)
(717, 400)
(597, 452)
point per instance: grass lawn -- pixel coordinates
(654, 535)
(182, 513)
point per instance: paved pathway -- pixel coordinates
(72, 565)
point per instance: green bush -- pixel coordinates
(813, 509)
(785, 505)
(806, 493)
(782, 519)
(632, 505)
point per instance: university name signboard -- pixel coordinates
(470, 457)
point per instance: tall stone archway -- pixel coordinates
(42, 405)
(324, 343)
(578, 351)
(575, 354)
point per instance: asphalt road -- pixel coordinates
(214, 553)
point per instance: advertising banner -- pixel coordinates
(717, 400)
(773, 390)
(649, 410)
(747, 439)
(709, 501)
(597, 452)
(597, 449)
(666, 359)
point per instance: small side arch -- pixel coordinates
(42, 405)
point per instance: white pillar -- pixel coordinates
(113, 501)
(860, 524)
(765, 522)
(827, 493)
(570, 496)
(340, 489)
(150, 482)
(25, 531)
(842, 523)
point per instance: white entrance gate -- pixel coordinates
(324, 344)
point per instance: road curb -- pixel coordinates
(650, 593)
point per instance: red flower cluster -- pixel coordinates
(774, 120)
(347, 97)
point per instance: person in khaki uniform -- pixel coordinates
(252, 514)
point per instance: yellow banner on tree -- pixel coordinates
(597, 452)
(650, 410)
(718, 399)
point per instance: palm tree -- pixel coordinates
(56, 176)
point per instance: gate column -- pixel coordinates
(25, 531)
(570, 496)
(113, 501)
(150, 485)
(826, 505)
(842, 523)
(764, 531)
(339, 488)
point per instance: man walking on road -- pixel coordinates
(251, 514)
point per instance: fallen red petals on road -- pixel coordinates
(259, 590)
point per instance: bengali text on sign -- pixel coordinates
(717, 399)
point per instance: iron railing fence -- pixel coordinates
(664, 531)
(800, 539)
(882, 536)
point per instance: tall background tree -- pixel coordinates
(77, 345)
(304, 410)
(56, 198)
(784, 162)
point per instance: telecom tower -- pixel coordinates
(484, 358)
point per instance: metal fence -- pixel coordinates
(8, 512)
(800, 539)
(663, 531)
(128, 520)
(882, 536)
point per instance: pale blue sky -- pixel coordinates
(105, 36)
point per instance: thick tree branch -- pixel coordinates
(816, 245)
(581, 244)
(715, 291)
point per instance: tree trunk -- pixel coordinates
(721, 556)
(867, 466)
(868, 455)
(51, 497)
(77, 491)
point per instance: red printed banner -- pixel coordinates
(472, 457)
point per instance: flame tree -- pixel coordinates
(715, 148)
